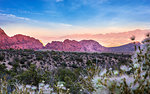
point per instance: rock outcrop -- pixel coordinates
(72, 45)
(18, 42)
(91, 46)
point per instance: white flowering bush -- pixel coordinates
(25, 89)
(120, 82)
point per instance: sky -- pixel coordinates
(49, 20)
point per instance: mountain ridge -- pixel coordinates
(20, 41)
(112, 39)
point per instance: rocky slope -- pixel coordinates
(124, 48)
(18, 42)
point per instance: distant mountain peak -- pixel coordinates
(20, 35)
(2, 32)
(68, 40)
(73, 45)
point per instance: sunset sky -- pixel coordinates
(50, 20)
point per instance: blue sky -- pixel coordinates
(62, 17)
(80, 12)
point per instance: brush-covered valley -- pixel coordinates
(58, 72)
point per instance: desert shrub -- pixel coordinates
(10, 63)
(63, 64)
(53, 52)
(24, 66)
(70, 79)
(1, 57)
(89, 63)
(30, 76)
(39, 57)
(41, 63)
(74, 66)
(16, 59)
(29, 57)
(79, 59)
(22, 61)
(11, 49)
(2, 68)
(15, 67)
(28, 63)
(57, 58)
(65, 72)
(28, 50)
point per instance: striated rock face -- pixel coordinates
(4, 39)
(67, 45)
(72, 45)
(18, 42)
(55, 45)
(3, 34)
(25, 42)
(91, 46)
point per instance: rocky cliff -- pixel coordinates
(18, 42)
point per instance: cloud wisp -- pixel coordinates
(9, 19)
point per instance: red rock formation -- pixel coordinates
(4, 39)
(91, 46)
(72, 45)
(25, 42)
(18, 42)
(88, 46)
(67, 45)
(55, 45)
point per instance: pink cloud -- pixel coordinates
(109, 39)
